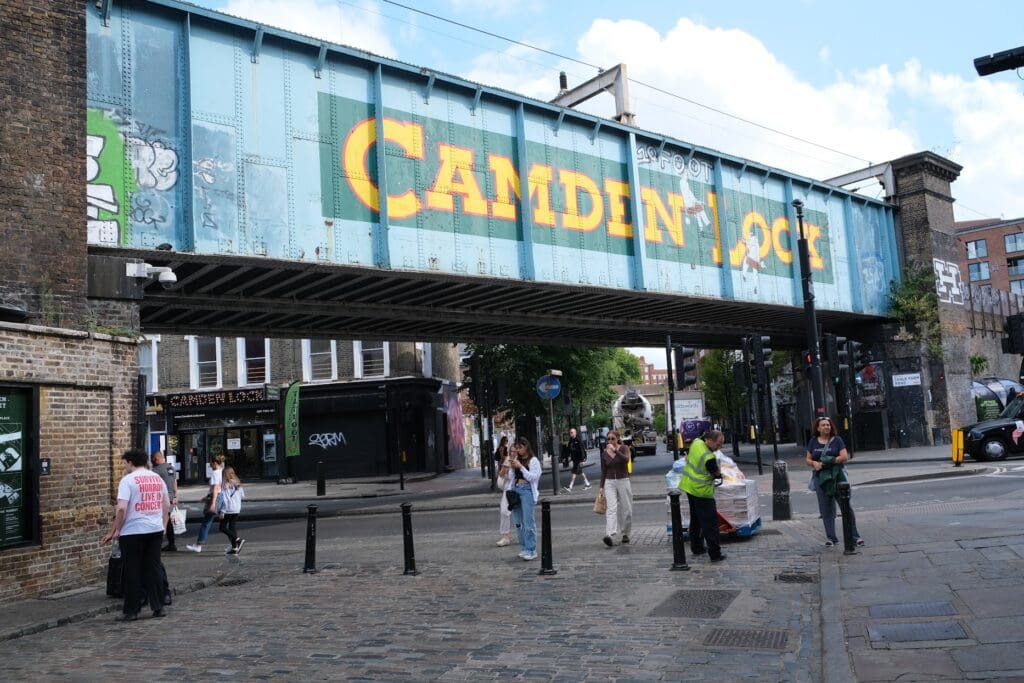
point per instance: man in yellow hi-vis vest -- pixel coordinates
(698, 481)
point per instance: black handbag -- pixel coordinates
(512, 496)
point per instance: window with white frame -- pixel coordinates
(253, 354)
(371, 359)
(149, 362)
(977, 249)
(978, 271)
(423, 360)
(1017, 286)
(319, 360)
(204, 363)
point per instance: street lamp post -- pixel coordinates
(810, 318)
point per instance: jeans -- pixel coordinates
(704, 526)
(505, 521)
(525, 520)
(227, 527)
(827, 509)
(204, 528)
(618, 516)
(141, 556)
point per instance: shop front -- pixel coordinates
(241, 425)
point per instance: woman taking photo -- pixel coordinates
(501, 458)
(525, 473)
(618, 493)
(826, 454)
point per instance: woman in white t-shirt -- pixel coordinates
(142, 510)
(209, 504)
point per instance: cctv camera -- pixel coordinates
(167, 279)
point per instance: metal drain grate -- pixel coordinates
(908, 633)
(906, 610)
(695, 604)
(233, 581)
(749, 638)
(796, 577)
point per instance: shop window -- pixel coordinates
(319, 360)
(253, 360)
(371, 359)
(977, 249)
(149, 362)
(204, 363)
(19, 485)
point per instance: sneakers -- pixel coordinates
(169, 549)
(194, 548)
(607, 541)
(238, 546)
(587, 485)
(503, 542)
(160, 613)
(625, 538)
(567, 489)
(528, 556)
(720, 558)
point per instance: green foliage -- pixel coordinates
(589, 373)
(915, 304)
(659, 419)
(721, 393)
(979, 363)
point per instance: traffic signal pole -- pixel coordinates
(671, 412)
(810, 317)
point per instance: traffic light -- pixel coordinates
(749, 365)
(686, 364)
(1014, 340)
(566, 401)
(741, 374)
(836, 360)
(859, 359)
(762, 357)
(472, 380)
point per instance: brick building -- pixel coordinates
(992, 253)
(650, 374)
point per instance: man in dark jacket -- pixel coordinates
(578, 455)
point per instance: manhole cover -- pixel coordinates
(796, 577)
(233, 581)
(695, 604)
(748, 638)
(906, 633)
(906, 610)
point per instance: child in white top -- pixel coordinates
(229, 506)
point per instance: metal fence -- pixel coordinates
(990, 308)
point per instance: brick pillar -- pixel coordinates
(923, 195)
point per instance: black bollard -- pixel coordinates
(780, 491)
(321, 478)
(546, 566)
(310, 567)
(843, 496)
(410, 555)
(678, 545)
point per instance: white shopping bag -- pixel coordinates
(178, 520)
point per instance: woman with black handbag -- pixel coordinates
(525, 475)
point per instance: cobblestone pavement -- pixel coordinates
(475, 612)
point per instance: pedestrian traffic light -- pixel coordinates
(762, 357)
(686, 365)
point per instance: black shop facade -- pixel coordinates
(368, 428)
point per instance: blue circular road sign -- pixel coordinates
(548, 387)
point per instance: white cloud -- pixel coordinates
(825, 55)
(324, 19)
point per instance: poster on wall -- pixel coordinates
(13, 419)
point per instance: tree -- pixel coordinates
(589, 373)
(722, 395)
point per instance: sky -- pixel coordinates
(814, 87)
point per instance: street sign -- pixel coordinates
(548, 387)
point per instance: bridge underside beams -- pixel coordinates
(233, 296)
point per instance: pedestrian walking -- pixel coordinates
(826, 454)
(138, 527)
(209, 504)
(578, 455)
(525, 474)
(618, 492)
(167, 473)
(229, 506)
(505, 483)
(700, 476)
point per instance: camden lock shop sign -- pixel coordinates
(13, 423)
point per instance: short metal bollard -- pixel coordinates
(410, 555)
(843, 496)
(310, 567)
(546, 563)
(780, 491)
(678, 544)
(321, 478)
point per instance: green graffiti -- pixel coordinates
(110, 182)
